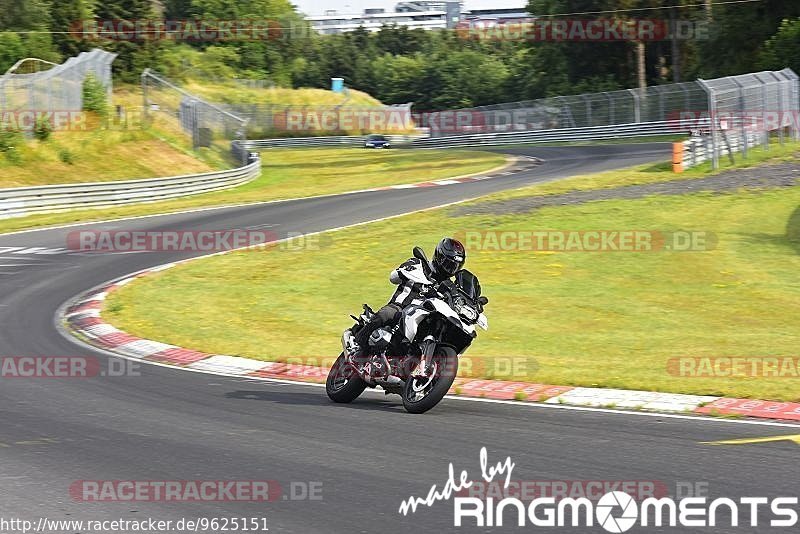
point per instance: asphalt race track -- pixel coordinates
(168, 424)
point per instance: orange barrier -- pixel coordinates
(677, 157)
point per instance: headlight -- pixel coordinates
(467, 312)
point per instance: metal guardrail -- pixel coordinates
(331, 140)
(700, 149)
(295, 142)
(615, 131)
(21, 201)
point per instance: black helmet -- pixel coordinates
(448, 258)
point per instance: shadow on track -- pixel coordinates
(308, 399)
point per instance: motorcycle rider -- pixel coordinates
(448, 259)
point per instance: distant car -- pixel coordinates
(376, 141)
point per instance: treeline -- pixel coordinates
(433, 69)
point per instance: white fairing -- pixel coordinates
(483, 322)
(412, 317)
(415, 314)
(415, 273)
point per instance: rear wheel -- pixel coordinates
(343, 383)
(424, 392)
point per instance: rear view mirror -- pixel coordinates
(420, 254)
(483, 301)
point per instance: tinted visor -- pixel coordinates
(449, 265)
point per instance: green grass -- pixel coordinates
(291, 173)
(589, 319)
(94, 156)
(233, 93)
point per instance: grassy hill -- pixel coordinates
(158, 148)
(233, 93)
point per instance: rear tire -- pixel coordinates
(446, 369)
(343, 384)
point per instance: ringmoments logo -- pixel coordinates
(615, 511)
(605, 511)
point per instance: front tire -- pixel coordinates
(423, 393)
(343, 383)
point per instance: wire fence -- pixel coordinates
(749, 109)
(38, 86)
(732, 114)
(175, 108)
(653, 104)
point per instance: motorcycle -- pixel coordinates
(418, 357)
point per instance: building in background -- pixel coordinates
(424, 14)
(490, 18)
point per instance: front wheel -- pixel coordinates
(343, 383)
(424, 392)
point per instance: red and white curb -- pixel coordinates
(83, 318)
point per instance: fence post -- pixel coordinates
(794, 93)
(588, 106)
(145, 101)
(743, 112)
(763, 103)
(712, 112)
(637, 110)
(780, 107)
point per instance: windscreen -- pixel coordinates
(468, 283)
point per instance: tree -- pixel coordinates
(738, 34)
(397, 78)
(70, 15)
(783, 49)
(21, 15)
(12, 49)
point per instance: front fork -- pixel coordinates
(428, 348)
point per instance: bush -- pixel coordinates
(95, 97)
(13, 157)
(9, 140)
(42, 129)
(66, 156)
